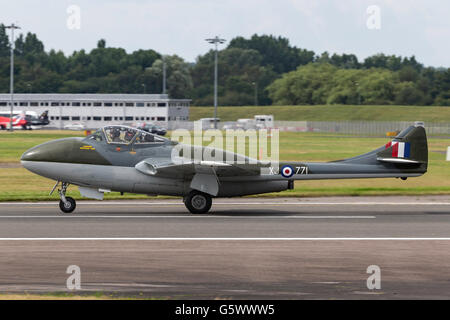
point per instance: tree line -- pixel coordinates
(263, 69)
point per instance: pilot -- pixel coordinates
(115, 135)
(129, 135)
(149, 138)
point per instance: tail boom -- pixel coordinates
(405, 156)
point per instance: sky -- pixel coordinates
(361, 27)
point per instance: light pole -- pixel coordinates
(144, 87)
(216, 42)
(11, 77)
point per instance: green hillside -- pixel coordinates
(329, 113)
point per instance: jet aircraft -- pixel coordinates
(124, 159)
(26, 120)
(18, 120)
(34, 120)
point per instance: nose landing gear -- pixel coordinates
(66, 204)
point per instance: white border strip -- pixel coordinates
(226, 239)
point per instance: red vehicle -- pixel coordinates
(18, 121)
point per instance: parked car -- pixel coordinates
(75, 126)
(152, 128)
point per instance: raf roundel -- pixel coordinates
(287, 171)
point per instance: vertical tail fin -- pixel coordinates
(44, 115)
(409, 146)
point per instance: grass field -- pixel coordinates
(328, 113)
(16, 183)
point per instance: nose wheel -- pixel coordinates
(198, 202)
(66, 204)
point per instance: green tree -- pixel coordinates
(345, 87)
(32, 44)
(101, 44)
(406, 93)
(4, 42)
(441, 84)
(377, 86)
(346, 61)
(308, 84)
(178, 80)
(321, 83)
(19, 44)
(276, 52)
(241, 74)
(408, 74)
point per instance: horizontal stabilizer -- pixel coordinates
(397, 160)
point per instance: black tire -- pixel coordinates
(3, 127)
(71, 205)
(198, 202)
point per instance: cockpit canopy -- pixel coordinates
(124, 135)
(116, 134)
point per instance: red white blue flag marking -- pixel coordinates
(399, 149)
(287, 171)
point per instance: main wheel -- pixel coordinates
(69, 206)
(198, 202)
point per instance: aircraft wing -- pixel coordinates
(168, 168)
(204, 175)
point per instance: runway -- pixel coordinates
(233, 218)
(294, 248)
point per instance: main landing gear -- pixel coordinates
(197, 202)
(66, 204)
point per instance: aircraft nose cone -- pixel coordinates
(52, 151)
(42, 152)
(31, 155)
(67, 150)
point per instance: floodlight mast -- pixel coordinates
(11, 77)
(216, 42)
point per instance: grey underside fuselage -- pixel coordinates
(128, 179)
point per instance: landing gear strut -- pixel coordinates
(66, 204)
(198, 202)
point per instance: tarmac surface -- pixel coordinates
(257, 248)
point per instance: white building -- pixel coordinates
(97, 110)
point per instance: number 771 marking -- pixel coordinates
(301, 170)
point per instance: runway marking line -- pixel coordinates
(106, 203)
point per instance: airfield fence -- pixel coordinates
(344, 127)
(360, 127)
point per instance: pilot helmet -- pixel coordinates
(115, 132)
